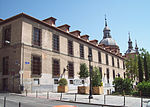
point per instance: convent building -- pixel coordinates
(35, 53)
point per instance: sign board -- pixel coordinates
(27, 62)
(77, 82)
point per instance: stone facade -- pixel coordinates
(21, 49)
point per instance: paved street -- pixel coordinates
(13, 101)
(42, 101)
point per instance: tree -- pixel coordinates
(146, 69)
(96, 78)
(132, 67)
(83, 71)
(140, 69)
(123, 85)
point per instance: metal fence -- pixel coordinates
(101, 100)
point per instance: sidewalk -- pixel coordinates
(97, 99)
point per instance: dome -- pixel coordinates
(130, 51)
(108, 41)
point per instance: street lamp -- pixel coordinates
(90, 91)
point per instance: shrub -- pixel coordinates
(144, 87)
(118, 82)
(96, 78)
(83, 71)
(62, 82)
(135, 93)
(127, 85)
(123, 85)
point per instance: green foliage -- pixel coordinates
(123, 85)
(135, 93)
(127, 85)
(118, 85)
(96, 78)
(144, 87)
(145, 57)
(132, 67)
(146, 68)
(138, 65)
(83, 71)
(140, 69)
(62, 82)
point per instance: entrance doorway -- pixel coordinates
(5, 84)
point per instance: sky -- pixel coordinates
(88, 16)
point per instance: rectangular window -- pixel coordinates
(37, 36)
(90, 52)
(99, 57)
(6, 35)
(112, 61)
(70, 70)
(114, 75)
(81, 51)
(36, 81)
(55, 81)
(107, 63)
(70, 47)
(36, 65)
(56, 42)
(71, 81)
(100, 70)
(5, 65)
(107, 75)
(56, 68)
(118, 63)
(123, 65)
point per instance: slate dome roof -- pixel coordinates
(108, 41)
(130, 51)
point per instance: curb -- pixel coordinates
(91, 103)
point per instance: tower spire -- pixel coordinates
(129, 36)
(106, 30)
(136, 47)
(130, 42)
(105, 21)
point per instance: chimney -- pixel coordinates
(1, 20)
(50, 21)
(94, 41)
(85, 37)
(76, 33)
(64, 27)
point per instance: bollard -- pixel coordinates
(47, 95)
(26, 92)
(124, 98)
(89, 100)
(19, 104)
(61, 96)
(36, 94)
(141, 99)
(104, 99)
(4, 101)
(75, 97)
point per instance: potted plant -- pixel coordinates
(97, 82)
(83, 75)
(63, 87)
